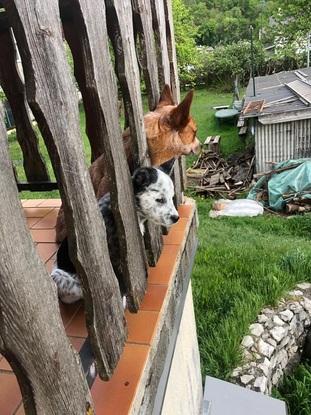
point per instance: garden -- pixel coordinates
(242, 264)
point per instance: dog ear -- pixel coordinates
(179, 116)
(144, 177)
(166, 97)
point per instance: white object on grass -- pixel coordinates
(239, 207)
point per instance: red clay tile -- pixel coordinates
(46, 250)
(141, 326)
(48, 222)
(185, 211)
(21, 410)
(77, 342)
(53, 203)
(176, 234)
(163, 271)
(154, 297)
(174, 238)
(43, 235)
(50, 264)
(31, 222)
(36, 212)
(10, 395)
(4, 365)
(31, 202)
(68, 311)
(77, 327)
(115, 397)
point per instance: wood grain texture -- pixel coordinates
(120, 29)
(159, 29)
(32, 336)
(91, 29)
(94, 121)
(175, 87)
(13, 87)
(147, 49)
(53, 99)
(171, 48)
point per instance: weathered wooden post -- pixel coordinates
(53, 100)
(14, 89)
(32, 336)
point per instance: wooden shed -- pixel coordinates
(279, 116)
(91, 357)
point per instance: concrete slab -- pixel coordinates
(224, 398)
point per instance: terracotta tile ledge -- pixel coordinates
(122, 394)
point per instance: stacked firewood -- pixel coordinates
(212, 175)
(297, 204)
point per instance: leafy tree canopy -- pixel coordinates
(292, 20)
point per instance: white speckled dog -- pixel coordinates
(154, 192)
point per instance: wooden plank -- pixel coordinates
(120, 29)
(94, 122)
(208, 139)
(148, 60)
(159, 29)
(180, 168)
(178, 198)
(171, 48)
(32, 335)
(13, 87)
(99, 73)
(243, 130)
(53, 99)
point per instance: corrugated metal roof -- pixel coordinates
(301, 89)
(278, 97)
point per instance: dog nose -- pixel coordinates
(174, 218)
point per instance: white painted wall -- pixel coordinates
(184, 391)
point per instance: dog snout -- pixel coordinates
(174, 218)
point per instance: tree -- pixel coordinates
(185, 33)
(291, 20)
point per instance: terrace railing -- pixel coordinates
(31, 333)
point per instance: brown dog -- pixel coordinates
(170, 132)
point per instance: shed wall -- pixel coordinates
(281, 141)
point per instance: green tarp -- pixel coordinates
(282, 187)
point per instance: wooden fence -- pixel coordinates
(31, 333)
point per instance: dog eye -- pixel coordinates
(161, 201)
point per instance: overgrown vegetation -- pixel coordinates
(295, 390)
(221, 32)
(242, 265)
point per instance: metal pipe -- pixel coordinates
(308, 50)
(252, 62)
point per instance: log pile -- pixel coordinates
(297, 203)
(212, 175)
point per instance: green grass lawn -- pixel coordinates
(242, 264)
(203, 113)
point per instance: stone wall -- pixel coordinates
(275, 341)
